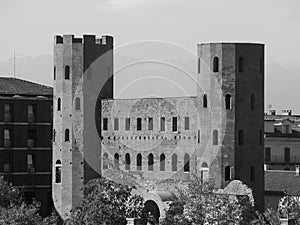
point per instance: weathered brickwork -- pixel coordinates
(154, 143)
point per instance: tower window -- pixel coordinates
(241, 64)
(199, 64)
(199, 136)
(162, 161)
(204, 172)
(67, 73)
(58, 104)
(58, 171)
(228, 101)
(67, 135)
(241, 137)
(186, 167)
(77, 103)
(227, 173)
(186, 123)
(204, 101)
(127, 161)
(139, 161)
(54, 72)
(174, 162)
(162, 123)
(174, 124)
(150, 162)
(215, 64)
(150, 123)
(116, 160)
(252, 173)
(116, 124)
(139, 124)
(127, 123)
(252, 101)
(105, 161)
(215, 137)
(105, 123)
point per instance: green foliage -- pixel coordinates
(14, 211)
(198, 203)
(106, 202)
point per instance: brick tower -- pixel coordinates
(82, 76)
(231, 114)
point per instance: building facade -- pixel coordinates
(25, 138)
(217, 134)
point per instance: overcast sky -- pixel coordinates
(28, 27)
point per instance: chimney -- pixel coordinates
(297, 170)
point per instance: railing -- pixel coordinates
(284, 159)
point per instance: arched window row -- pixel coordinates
(144, 138)
(150, 161)
(66, 72)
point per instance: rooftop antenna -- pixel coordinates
(14, 64)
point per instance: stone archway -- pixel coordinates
(152, 208)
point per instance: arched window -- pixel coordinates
(150, 162)
(174, 162)
(139, 162)
(252, 101)
(216, 64)
(58, 104)
(105, 161)
(67, 135)
(241, 137)
(116, 160)
(204, 172)
(67, 73)
(58, 171)
(186, 167)
(215, 137)
(252, 173)
(54, 72)
(228, 101)
(127, 161)
(77, 103)
(241, 64)
(260, 138)
(162, 161)
(227, 173)
(204, 101)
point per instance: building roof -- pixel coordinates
(16, 86)
(277, 133)
(281, 180)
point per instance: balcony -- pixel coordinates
(293, 159)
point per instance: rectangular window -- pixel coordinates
(150, 123)
(8, 113)
(139, 123)
(31, 112)
(30, 163)
(186, 123)
(267, 154)
(31, 140)
(174, 124)
(162, 123)
(116, 124)
(105, 123)
(127, 123)
(7, 138)
(286, 155)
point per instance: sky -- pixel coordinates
(28, 28)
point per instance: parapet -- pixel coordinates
(87, 39)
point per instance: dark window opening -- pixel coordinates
(216, 64)
(162, 123)
(215, 137)
(127, 161)
(77, 103)
(174, 162)
(58, 104)
(139, 162)
(150, 162)
(199, 64)
(116, 124)
(174, 124)
(227, 173)
(67, 135)
(199, 136)
(139, 124)
(54, 73)
(105, 123)
(186, 167)
(116, 160)
(58, 171)
(204, 101)
(150, 123)
(186, 123)
(162, 160)
(67, 73)
(127, 123)
(286, 155)
(228, 101)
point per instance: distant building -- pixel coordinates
(282, 140)
(25, 138)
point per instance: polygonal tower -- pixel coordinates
(82, 77)
(231, 114)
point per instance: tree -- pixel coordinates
(199, 203)
(15, 211)
(106, 202)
